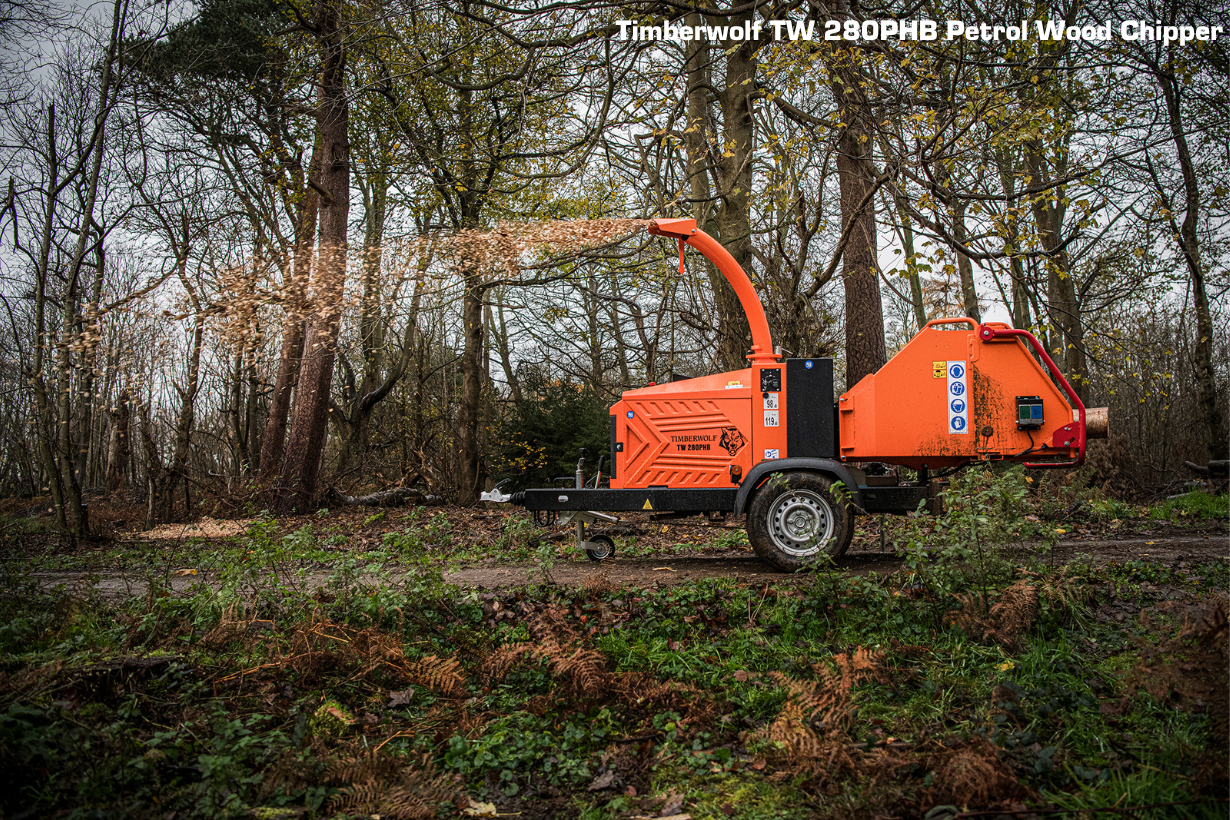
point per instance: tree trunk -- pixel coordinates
(470, 410)
(361, 401)
(865, 346)
(358, 406)
(44, 420)
(120, 450)
(252, 410)
(309, 421)
(236, 415)
(186, 419)
(733, 334)
(273, 443)
(167, 478)
(65, 453)
(371, 336)
(499, 332)
(593, 332)
(1211, 407)
(907, 241)
(1012, 242)
(621, 348)
(86, 376)
(734, 196)
(965, 268)
(1063, 308)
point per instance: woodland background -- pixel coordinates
(231, 278)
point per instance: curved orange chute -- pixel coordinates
(686, 231)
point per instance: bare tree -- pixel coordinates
(1171, 70)
(309, 419)
(485, 122)
(81, 168)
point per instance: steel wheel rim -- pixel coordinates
(605, 551)
(801, 523)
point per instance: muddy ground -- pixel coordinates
(1178, 552)
(571, 568)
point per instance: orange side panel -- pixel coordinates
(684, 434)
(948, 397)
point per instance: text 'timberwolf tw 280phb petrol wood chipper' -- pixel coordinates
(769, 440)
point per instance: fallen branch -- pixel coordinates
(125, 664)
(1214, 467)
(385, 498)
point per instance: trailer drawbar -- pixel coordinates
(769, 441)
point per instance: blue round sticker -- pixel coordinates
(631, 414)
(958, 406)
(958, 423)
(956, 371)
(957, 388)
(807, 364)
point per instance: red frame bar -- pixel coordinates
(991, 334)
(955, 320)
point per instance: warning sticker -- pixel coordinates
(958, 397)
(938, 369)
(647, 505)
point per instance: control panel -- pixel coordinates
(1028, 412)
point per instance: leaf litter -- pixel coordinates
(408, 684)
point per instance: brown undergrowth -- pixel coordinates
(369, 782)
(1002, 622)
(320, 647)
(584, 675)
(377, 784)
(1016, 609)
(810, 736)
(813, 736)
(1191, 671)
(374, 782)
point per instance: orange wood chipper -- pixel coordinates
(769, 440)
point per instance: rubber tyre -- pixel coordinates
(601, 555)
(796, 517)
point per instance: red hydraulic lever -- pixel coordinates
(685, 230)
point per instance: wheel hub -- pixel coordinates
(801, 522)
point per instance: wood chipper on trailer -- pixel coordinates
(770, 441)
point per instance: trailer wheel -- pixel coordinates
(605, 547)
(796, 517)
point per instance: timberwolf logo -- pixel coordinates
(732, 440)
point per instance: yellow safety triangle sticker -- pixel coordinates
(647, 506)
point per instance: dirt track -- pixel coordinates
(1180, 552)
